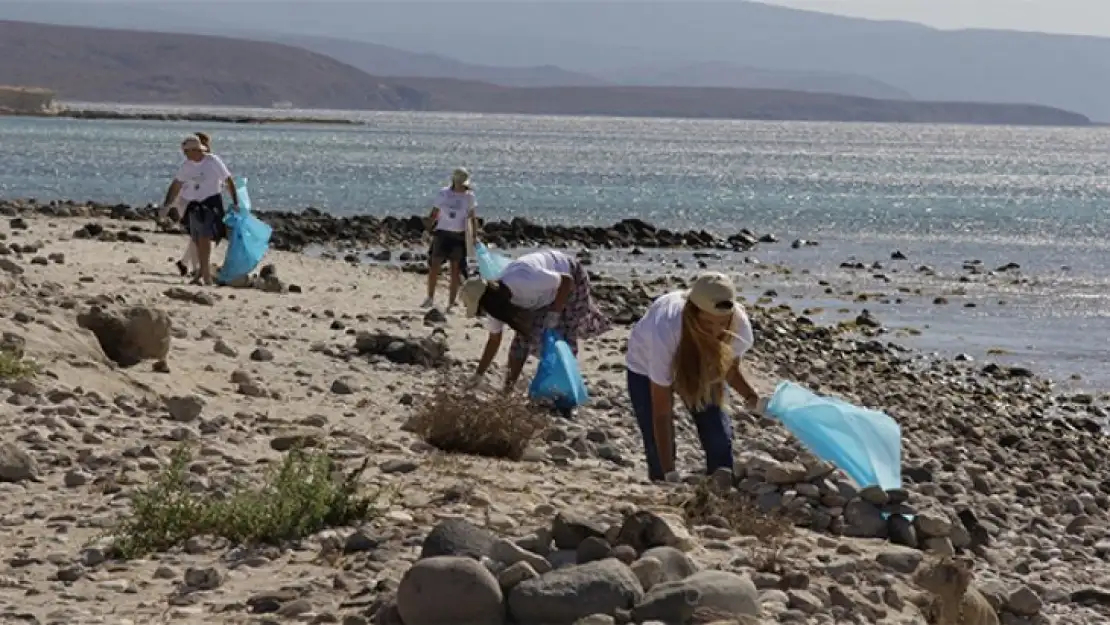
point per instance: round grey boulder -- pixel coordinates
(450, 590)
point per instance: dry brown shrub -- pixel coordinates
(773, 529)
(456, 420)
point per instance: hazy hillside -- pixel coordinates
(730, 75)
(386, 61)
(142, 67)
(724, 103)
(599, 37)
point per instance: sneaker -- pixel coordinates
(428, 303)
(182, 269)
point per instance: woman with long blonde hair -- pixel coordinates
(689, 344)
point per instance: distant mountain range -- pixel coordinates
(100, 65)
(151, 67)
(386, 61)
(641, 41)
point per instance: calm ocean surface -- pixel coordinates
(940, 194)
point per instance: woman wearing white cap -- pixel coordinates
(188, 264)
(535, 292)
(689, 344)
(199, 182)
(453, 211)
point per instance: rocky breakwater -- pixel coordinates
(294, 231)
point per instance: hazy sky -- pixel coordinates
(1085, 17)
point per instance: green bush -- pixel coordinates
(15, 367)
(303, 495)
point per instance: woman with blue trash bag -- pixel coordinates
(452, 213)
(689, 344)
(199, 182)
(535, 292)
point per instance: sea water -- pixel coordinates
(941, 195)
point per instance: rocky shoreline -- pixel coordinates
(295, 231)
(214, 118)
(998, 467)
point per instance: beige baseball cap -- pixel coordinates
(460, 176)
(714, 294)
(471, 295)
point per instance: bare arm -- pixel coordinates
(740, 384)
(233, 190)
(516, 365)
(493, 343)
(662, 420)
(171, 193)
(472, 218)
(566, 287)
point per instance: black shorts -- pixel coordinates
(448, 245)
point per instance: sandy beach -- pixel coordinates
(999, 468)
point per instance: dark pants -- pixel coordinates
(447, 247)
(714, 429)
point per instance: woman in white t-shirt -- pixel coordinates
(453, 210)
(188, 264)
(689, 344)
(199, 182)
(535, 292)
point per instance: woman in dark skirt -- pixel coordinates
(199, 183)
(535, 292)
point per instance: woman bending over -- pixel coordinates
(689, 344)
(535, 292)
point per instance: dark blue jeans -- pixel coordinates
(714, 429)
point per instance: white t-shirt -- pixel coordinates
(654, 339)
(454, 207)
(202, 179)
(533, 280)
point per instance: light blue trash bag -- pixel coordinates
(558, 378)
(248, 238)
(865, 444)
(490, 265)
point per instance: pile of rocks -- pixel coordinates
(576, 571)
(812, 494)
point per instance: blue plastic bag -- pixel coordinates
(248, 238)
(865, 444)
(557, 377)
(490, 265)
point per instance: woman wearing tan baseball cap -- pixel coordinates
(689, 343)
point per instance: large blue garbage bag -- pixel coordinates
(490, 265)
(248, 238)
(558, 378)
(865, 444)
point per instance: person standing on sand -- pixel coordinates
(188, 264)
(689, 343)
(537, 291)
(453, 211)
(200, 181)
